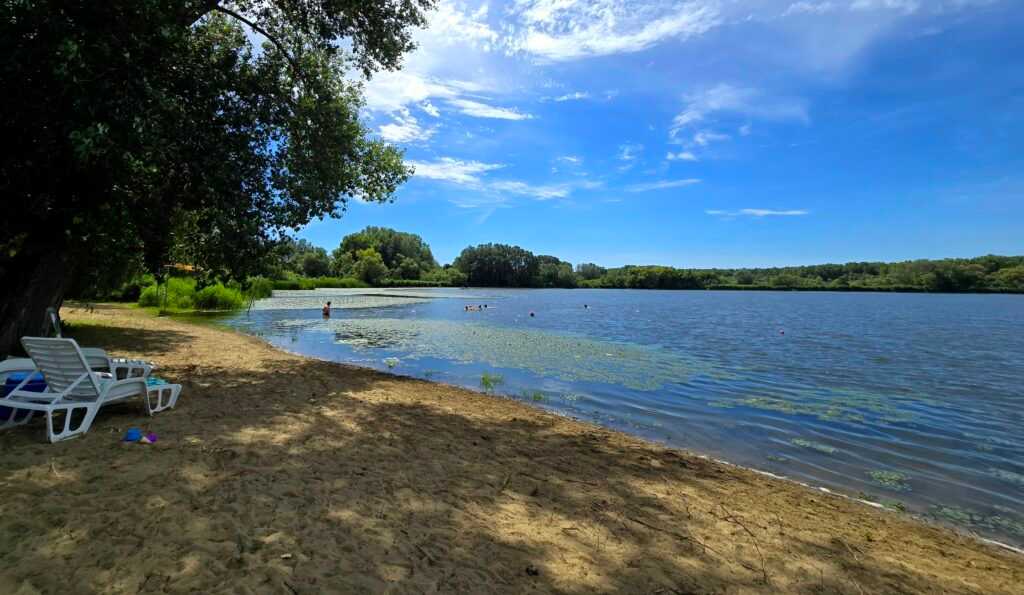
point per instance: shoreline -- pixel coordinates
(654, 443)
(303, 467)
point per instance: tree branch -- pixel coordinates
(255, 27)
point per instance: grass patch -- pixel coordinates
(489, 382)
(534, 395)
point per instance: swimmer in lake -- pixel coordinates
(327, 310)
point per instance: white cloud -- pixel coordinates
(538, 192)
(482, 110)
(430, 109)
(490, 192)
(757, 213)
(573, 159)
(725, 98)
(662, 184)
(405, 128)
(704, 138)
(629, 151)
(681, 156)
(453, 170)
(558, 30)
(809, 8)
(578, 95)
(745, 130)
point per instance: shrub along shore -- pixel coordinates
(287, 474)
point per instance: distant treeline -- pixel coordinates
(382, 257)
(385, 257)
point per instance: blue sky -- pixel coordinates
(709, 132)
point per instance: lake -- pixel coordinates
(910, 400)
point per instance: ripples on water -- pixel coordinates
(909, 400)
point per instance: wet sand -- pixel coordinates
(281, 474)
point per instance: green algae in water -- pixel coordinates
(564, 357)
(973, 519)
(891, 480)
(818, 446)
(1007, 476)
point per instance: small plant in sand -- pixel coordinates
(818, 446)
(890, 480)
(534, 395)
(489, 382)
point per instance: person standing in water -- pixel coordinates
(327, 310)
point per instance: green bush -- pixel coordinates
(149, 297)
(316, 282)
(260, 287)
(218, 297)
(176, 294)
(411, 283)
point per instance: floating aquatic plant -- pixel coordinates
(391, 362)
(818, 446)
(565, 357)
(777, 458)
(1002, 522)
(890, 480)
(1007, 476)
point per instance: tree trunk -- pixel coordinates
(34, 280)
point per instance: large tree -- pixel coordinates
(135, 126)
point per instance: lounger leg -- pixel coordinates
(67, 432)
(14, 420)
(162, 396)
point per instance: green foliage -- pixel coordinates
(260, 287)
(490, 382)
(316, 263)
(369, 266)
(218, 297)
(406, 255)
(498, 265)
(318, 282)
(176, 294)
(179, 293)
(156, 132)
(987, 273)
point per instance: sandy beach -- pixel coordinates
(282, 474)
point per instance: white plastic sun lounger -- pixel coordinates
(73, 388)
(98, 359)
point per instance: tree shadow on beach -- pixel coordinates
(305, 476)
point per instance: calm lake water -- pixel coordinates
(909, 400)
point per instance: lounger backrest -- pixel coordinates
(62, 364)
(53, 318)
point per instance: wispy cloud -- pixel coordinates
(757, 213)
(404, 129)
(681, 156)
(629, 151)
(577, 96)
(701, 105)
(477, 109)
(558, 30)
(704, 138)
(573, 159)
(471, 174)
(453, 170)
(538, 192)
(662, 185)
